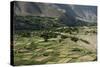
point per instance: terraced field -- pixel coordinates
(65, 47)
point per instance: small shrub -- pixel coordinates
(64, 37)
(85, 41)
(76, 49)
(95, 32)
(75, 39)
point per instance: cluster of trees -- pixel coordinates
(47, 35)
(36, 22)
(69, 30)
(91, 31)
(47, 26)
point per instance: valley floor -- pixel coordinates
(80, 47)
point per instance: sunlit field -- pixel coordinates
(46, 41)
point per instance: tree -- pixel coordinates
(45, 36)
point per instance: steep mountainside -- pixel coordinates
(70, 15)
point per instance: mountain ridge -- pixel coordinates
(79, 12)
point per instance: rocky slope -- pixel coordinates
(67, 15)
(80, 12)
